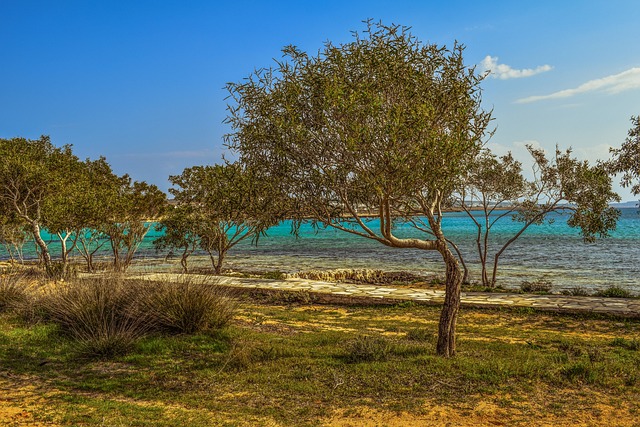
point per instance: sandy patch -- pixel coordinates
(484, 413)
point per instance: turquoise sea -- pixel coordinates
(553, 252)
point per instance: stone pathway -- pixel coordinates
(614, 306)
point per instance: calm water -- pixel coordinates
(552, 251)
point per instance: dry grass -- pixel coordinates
(187, 305)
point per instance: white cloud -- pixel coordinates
(504, 71)
(617, 83)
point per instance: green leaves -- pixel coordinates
(626, 159)
(381, 118)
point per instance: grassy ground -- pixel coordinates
(300, 364)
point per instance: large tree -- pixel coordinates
(381, 125)
(496, 188)
(626, 159)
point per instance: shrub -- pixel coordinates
(366, 276)
(274, 275)
(13, 291)
(100, 314)
(187, 305)
(367, 349)
(576, 291)
(537, 286)
(614, 292)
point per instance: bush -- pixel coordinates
(274, 275)
(576, 291)
(538, 286)
(187, 306)
(614, 292)
(13, 291)
(367, 349)
(100, 314)
(366, 276)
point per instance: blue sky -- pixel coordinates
(142, 82)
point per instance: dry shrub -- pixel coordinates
(357, 276)
(100, 314)
(188, 305)
(365, 348)
(13, 291)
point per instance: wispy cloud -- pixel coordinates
(504, 71)
(617, 83)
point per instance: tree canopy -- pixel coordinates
(219, 206)
(626, 159)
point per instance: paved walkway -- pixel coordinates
(614, 306)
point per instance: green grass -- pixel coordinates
(294, 364)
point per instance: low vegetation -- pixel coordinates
(287, 361)
(368, 276)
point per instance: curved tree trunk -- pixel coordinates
(449, 315)
(44, 250)
(218, 265)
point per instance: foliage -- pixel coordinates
(106, 316)
(181, 228)
(13, 236)
(381, 125)
(13, 290)
(367, 349)
(537, 286)
(101, 314)
(576, 291)
(561, 184)
(626, 159)
(187, 306)
(614, 292)
(132, 206)
(220, 206)
(36, 181)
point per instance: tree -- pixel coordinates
(34, 181)
(382, 124)
(626, 159)
(227, 205)
(181, 226)
(94, 209)
(562, 184)
(13, 236)
(132, 208)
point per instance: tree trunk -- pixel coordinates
(44, 250)
(183, 261)
(448, 317)
(218, 265)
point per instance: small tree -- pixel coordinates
(227, 205)
(181, 226)
(94, 206)
(13, 236)
(34, 182)
(132, 208)
(626, 159)
(383, 124)
(562, 184)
